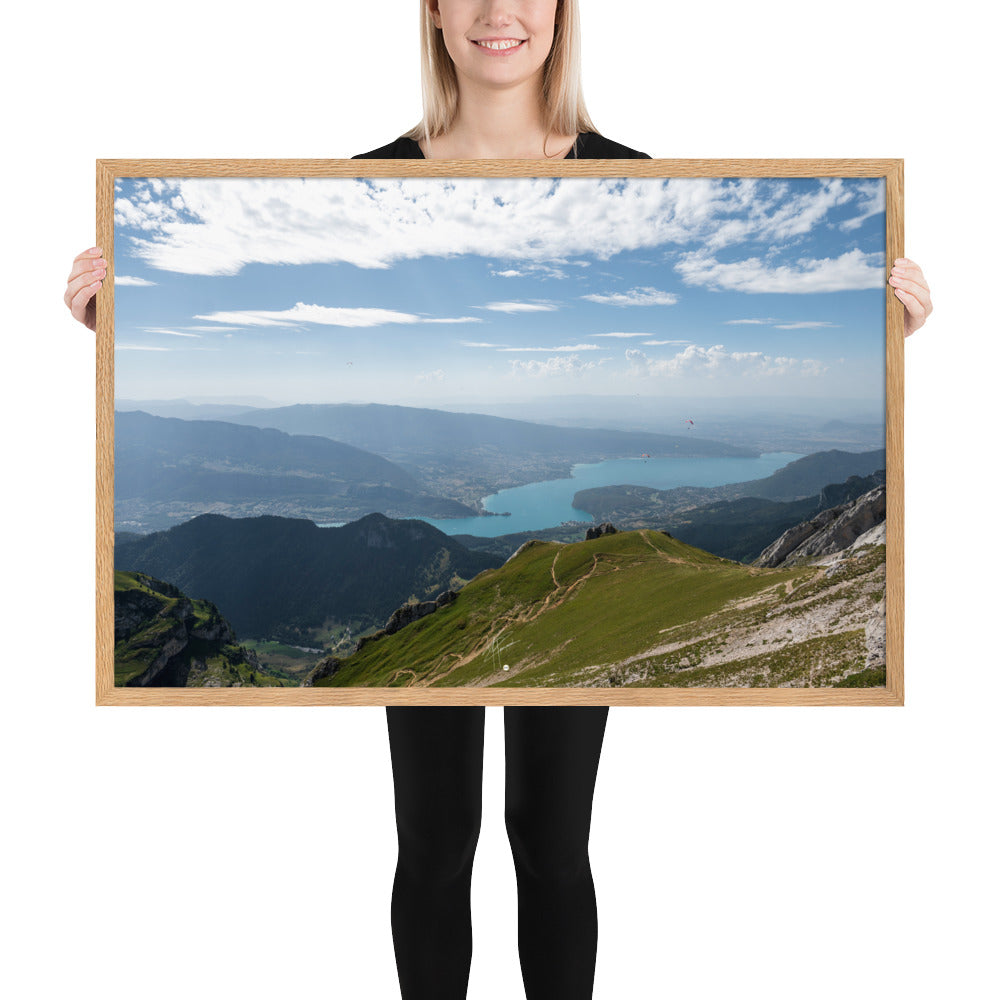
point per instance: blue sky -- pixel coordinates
(431, 291)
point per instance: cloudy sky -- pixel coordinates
(427, 290)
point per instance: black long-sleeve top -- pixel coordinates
(588, 146)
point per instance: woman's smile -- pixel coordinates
(498, 46)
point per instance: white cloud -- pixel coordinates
(804, 325)
(212, 329)
(567, 364)
(520, 307)
(850, 271)
(620, 336)
(536, 269)
(547, 271)
(215, 225)
(565, 349)
(635, 297)
(871, 198)
(324, 316)
(435, 376)
(473, 343)
(138, 347)
(661, 343)
(800, 325)
(127, 280)
(172, 333)
(714, 361)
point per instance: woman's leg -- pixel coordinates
(552, 756)
(437, 770)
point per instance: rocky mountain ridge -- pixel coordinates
(831, 530)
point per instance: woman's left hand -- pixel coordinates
(910, 286)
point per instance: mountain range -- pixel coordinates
(809, 476)
(168, 469)
(287, 579)
(471, 455)
(736, 520)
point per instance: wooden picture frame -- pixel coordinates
(871, 189)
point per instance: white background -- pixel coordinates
(241, 852)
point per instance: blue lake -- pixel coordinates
(548, 504)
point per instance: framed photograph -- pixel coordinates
(500, 432)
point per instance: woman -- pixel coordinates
(501, 79)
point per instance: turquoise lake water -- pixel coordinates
(549, 504)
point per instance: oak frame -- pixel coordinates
(891, 170)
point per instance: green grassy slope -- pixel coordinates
(634, 608)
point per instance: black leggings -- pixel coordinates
(552, 753)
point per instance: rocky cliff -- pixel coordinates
(164, 638)
(408, 614)
(831, 530)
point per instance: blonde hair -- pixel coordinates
(562, 91)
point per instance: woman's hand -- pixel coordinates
(910, 286)
(88, 271)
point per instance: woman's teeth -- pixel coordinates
(506, 44)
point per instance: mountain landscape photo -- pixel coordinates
(421, 432)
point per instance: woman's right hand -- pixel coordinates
(85, 278)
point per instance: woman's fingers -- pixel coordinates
(917, 310)
(80, 301)
(910, 287)
(82, 281)
(95, 268)
(85, 277)
(909, 299)
(89, 260)
(904, 268)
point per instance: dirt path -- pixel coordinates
(552, 600)
(396, 673)
(660, 552)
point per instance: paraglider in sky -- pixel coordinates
(690, 423)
